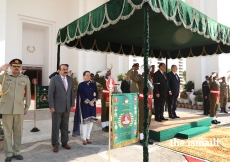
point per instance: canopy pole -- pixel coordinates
(58, 56)
(146, 74)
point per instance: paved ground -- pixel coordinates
(36, 147)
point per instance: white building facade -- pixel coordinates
(197, 68)
(28, 30)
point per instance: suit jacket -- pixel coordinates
(59, 98)
(174, 83)
(125, 86)
(163, 87)
(205, 88)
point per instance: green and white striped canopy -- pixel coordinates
(176, 30)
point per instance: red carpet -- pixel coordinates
(192, 159)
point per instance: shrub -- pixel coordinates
(188, 86)
(199, 98)
(121, 77)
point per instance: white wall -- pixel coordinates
(32, 38)
(56, 12)
(2, 31)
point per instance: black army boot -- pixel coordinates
(224, 110)
(221, 111)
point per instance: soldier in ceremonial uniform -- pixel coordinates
(214, 96)
(101, 78)
(224, 92)
(137, 78)
(13, 108)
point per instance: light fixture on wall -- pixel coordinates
(30, 49)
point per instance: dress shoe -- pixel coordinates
(218, 122)
(141, 142)
(88, 141)
(55, 149)
(18, 157)
(163, 118)
(214, 122)
(84, 142)
(176, 116)
(158, 120)
(150, 141)
(105, 129)
(171, 117)
(66, 146)
(68, 131)
(8, 159)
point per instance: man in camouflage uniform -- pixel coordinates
(214, 97)
(139, 80)
(13, 108)
(224, 92)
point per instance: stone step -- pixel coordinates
(189, 133)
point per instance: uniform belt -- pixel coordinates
(217, 95)
(106, 93)
(150, 97)
(141, 96)
(215, 92)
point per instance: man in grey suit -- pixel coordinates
(61, 100)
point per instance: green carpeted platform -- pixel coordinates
(189, 133)
(172, 132)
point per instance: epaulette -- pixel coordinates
(25, 76)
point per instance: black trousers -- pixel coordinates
(159, 107)
(172, 104)
(206, 105)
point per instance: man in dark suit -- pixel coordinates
(161, 90)
(174, 85)
(206, 92)
(61, 100)
(125, 85)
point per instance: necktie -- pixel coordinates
(176, 76)
(63, 80)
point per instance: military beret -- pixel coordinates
(135, 64)
(16, 62)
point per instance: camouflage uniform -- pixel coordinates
(224, 91)
(12, 108)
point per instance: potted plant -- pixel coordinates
(121, 77)
(194, 94)
(188, 86)
(199, 99)
(184, 97)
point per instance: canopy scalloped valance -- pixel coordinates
(188, 33)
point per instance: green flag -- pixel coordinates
(42, 100)
(125, 119)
